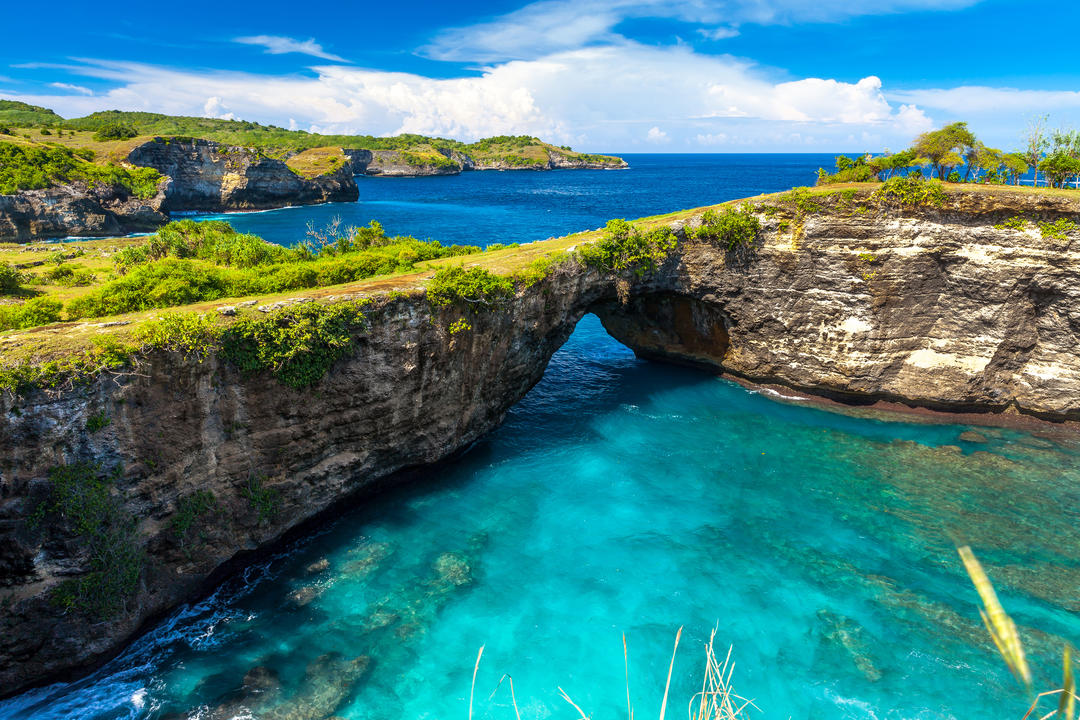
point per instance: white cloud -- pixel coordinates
(278, 45)
(976, 99)
(550, 26)
(603, 98)
(656, 135)
(72, 88)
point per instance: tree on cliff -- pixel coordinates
(1035, 144)
(946, 148)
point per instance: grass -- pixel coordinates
(317, 161)
(717, 699)
(1007, 640)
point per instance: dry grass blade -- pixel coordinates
(513, 697)
(1000, 626)
(717, 700)
(626, 664)
(475, 668)
(671, 667)
(567, 699)
(1068, 696)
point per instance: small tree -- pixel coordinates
(1035, 144)
(1015, 165)
(944, 149)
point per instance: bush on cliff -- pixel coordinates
(298, 344)
(731, 227)
(115, 131)
(10, 279)
(187, 262)
(626, 247)
(910, 191)
(33, 312)
(34, 168)
(81, 500)
(476, 287)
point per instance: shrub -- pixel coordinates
(115, 131)
(190, 333)
(626, 247)
(191, 509)
(33, 168)
(298, 344)
(911, 192)
(34, 312)
(10, 279)
(98, 421)
(476, 287)
(731, 227)
(80, 499)
(1013, 223)
(1058, 230)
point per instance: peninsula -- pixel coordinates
(118, 172)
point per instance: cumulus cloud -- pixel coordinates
(72, 88)
(278, 45)
(615, 98)
(549, 26)
(656, 135)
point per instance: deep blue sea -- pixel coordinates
(624, 496)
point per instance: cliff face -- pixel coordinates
(77, 210)
(208, 176)
(933, 307)
(391, 163)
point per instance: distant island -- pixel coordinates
(116, 172)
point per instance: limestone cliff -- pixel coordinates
(207, 175)
(77, 210)
(848, 298)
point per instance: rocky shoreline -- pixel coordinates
(203, 175)
(947, 309)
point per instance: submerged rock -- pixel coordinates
(318, 566)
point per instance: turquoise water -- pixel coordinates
(623, 496)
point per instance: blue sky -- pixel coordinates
(617, 75)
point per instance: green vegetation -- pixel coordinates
(1013, 223)
(298, 344)
(98, 421)
(265, 501)
(910, 192)
(732, 227)
(188, 261)
(20, 114)
(33, 168)
(113, 131)
(1058, 230)
(475, 286)
(624, 246)
(33, 312)
(10, 279)
(81, 501)
(192, 510)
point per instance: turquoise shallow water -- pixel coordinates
(626, 496)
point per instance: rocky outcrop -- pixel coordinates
(77, 210)
(931, 307)
(392, 163)
(206, 175)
